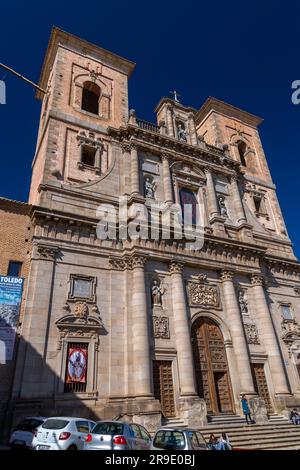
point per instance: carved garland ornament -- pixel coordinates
(251, 333)
(161, 327)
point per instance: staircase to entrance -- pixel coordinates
(277, 434)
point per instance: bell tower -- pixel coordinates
(86, 92)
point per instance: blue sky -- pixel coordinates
(245, 54)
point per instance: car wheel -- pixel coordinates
(72, 448)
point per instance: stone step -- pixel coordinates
(279, 435)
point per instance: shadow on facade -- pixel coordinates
(27, 397)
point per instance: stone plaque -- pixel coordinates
(150, 167)
(202, 295)
(82, 288)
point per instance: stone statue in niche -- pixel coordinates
(243, 302)
(150, 188)
(181, 132)
(157, 293)
(222, 205)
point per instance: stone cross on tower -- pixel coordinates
(176, 94)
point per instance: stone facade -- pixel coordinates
(215, 155)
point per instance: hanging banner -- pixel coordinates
(11, 289)
(77, 362)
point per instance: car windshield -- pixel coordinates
(55, 424)
(108, 428)
(29, 424)
(169, 439)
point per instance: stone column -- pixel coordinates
(237, 200)
(236, 327)
(268, 336)
(135, 183)
(141, 345)
(167, 180)
(182, 333)
(170, 125)
(213, 206)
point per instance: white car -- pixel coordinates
(24, 432)
(62, 433)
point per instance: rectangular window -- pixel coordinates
(286, 312)
(88, 155)
(14, 268)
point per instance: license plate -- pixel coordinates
(43, 447)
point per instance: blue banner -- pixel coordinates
(11, 289)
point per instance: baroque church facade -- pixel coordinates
(159, 332)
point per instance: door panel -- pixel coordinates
(211, 366)
(163, 386)
(260, 384)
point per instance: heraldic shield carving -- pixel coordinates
(203, 295)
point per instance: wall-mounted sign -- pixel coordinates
(11, 289)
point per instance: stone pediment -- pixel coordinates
(81, 319)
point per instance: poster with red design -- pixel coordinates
(77, 365)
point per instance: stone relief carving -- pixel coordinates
(290, 332)
(202, 295)
(181, 132)
(157, 292)
(243, 302)
(251, 333)
(48, 252)
(80, 323)
(150, 187)
(222, 206)
(161, 327)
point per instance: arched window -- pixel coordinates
(90, 97)
(188, 204)
(242, 147)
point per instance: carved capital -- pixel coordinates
(165, 157)
(226, 275)
(119, 264)
(138, 261)
(126, 147)
(133, 146)
(233, 178)
(175, 267)
(257, 280)
(48, 252)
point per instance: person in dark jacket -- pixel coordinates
(246, 410)
(294, 416)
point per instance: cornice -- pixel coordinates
(176, 149)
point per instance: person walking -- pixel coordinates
(246, 410)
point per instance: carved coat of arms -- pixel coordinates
(202, 295)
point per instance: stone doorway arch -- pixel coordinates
(211, 366)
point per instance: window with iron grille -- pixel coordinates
(76, 367)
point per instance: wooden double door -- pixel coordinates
(211, 367)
